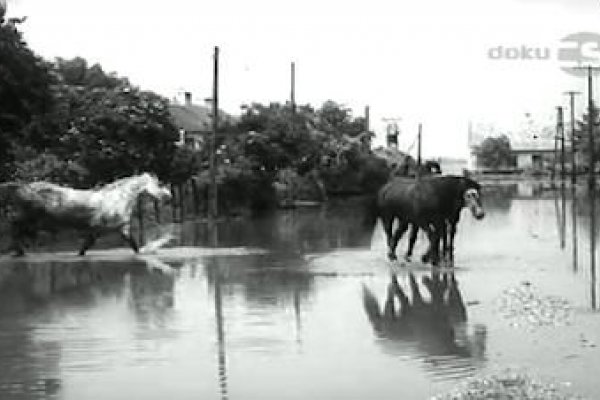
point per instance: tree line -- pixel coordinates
(70, 122)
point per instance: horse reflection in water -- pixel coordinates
(45, 206)
(436, 330)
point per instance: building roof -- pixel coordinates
(196, 118)
(540, 144)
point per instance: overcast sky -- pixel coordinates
(425, 61)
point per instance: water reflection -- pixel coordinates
(45, 314)
(220, 327)
(574, 243)
(261, 324)
(560, 209)
(436, 330)
(302, 230)
(592, 201)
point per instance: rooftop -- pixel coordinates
(196, 118)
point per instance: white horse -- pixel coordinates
(46, 206)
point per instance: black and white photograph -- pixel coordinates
(310, 200)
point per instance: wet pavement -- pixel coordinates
(302, 304)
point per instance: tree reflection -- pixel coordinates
(294, 231)
(436, 329)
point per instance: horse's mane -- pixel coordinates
(471, 183)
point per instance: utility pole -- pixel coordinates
(419, 162)
(560, 132)
(212, 203)
(572, 95)
(367, 119)
(293, 96)
(592, 118)
(419, 145)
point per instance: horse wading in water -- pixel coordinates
(432, 204)
(46, 206)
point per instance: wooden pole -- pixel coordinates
(173, 203)
(157, 211)
(140, 215)
(293, 97)
(573, 145)
(182, 202)
(419, 138)
(560, 131)
(195, 199)
(591, 119)
(213, 211)
(555, 154)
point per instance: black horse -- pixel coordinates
(432, 204)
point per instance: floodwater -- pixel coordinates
(302, 304)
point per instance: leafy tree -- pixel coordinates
(582, 135)
(25, 92)
(103, 125)
(337, 119)
(495, 152)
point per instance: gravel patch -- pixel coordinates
(508, 385)
(526, 308)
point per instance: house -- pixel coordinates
(537, 154)
(195, 121)
(532, 146)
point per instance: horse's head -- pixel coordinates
(153, 187)
(472, 198)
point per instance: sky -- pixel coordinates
(425, 61)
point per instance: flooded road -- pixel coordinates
(303, 304)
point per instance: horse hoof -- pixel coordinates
(425, 258)
(407, 258)
(392, 257)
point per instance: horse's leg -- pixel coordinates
(433, 234)
(444, 237)
(89, 241)
(414, 230)
(402, 227)
(438, 230)
(452, 233)
(388, 223)
(126, 235)
(426, 256)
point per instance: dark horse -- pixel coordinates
(430, 204)
(45, 206)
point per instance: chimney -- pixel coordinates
(188, 98)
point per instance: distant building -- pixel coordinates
(195, 121)
(532, 145)
(536, 154)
